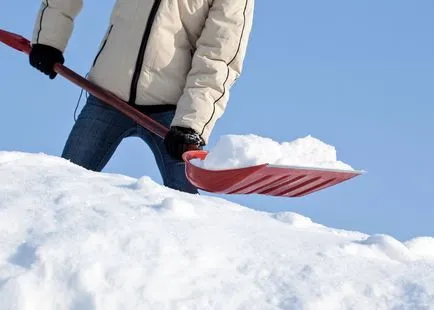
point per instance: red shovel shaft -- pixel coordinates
(23, 45)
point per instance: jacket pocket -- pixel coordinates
(102, 45)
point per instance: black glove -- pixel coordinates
(179, 140)
(44, 57)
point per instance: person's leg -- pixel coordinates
(172, 170)
(96, 134)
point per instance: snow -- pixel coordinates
(237, 151)
(79, 240)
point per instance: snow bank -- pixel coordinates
(422, 247)
(236, 151)
(71, 239)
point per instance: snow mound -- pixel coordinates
(71, 239)
(294, 219)
(237, 151)
(380, 246)
(422, 247)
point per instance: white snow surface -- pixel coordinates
(237, 151)
(79, 240)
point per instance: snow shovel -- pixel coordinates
(264, 179)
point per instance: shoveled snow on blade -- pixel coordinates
(71, 239)
(237, 151)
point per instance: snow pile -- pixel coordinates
(71, 239)
(237, 151)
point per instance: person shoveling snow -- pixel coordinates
(277, 179)
(160, 59)
(169, 96)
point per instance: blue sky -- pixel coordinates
(356, 74)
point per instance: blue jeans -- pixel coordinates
(100, 129)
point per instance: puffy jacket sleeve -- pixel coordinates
(55, 21)
(216, 64)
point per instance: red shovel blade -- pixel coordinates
(263, 179)
(15, 41)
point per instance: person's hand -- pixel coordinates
(44, 57)
(179, 140)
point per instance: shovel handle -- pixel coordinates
(23, 45)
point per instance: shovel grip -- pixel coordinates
(23, 45)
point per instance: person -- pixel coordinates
(174, 60)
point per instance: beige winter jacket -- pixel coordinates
(182, 52)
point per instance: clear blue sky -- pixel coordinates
(358, 75)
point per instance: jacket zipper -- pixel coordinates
(139, 62)
(103, 45)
